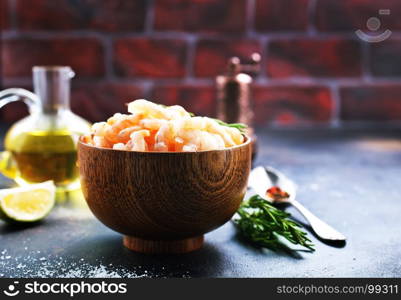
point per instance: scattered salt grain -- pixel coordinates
(30, 266)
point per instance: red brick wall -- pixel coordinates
(315, 71)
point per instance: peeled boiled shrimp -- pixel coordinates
(124, 134)
(147, 108)
(152, 124)
(153, 127)
(116, 124)
(138, 140)
(213, 127)
(100, 141)
(119, 146)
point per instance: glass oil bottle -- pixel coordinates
(43, 145)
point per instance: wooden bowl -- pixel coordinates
(163, 202)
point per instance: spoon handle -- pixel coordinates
(322, 229)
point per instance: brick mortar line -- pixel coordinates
(9, 35)
(326, 81)
(149, 16)
(252, 34)
(190, 58)
(147, 88)
(383, 81)
(311, 28)
(264, 55)
(304, 125)
(250, 16)
(365, 61)
(336, 100)
(12, 14)
(345, 125)
(107, 44)
(370, 124)
(23, 81)
(259, 82)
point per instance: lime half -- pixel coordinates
(28, 203)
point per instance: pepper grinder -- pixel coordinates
(234, 93)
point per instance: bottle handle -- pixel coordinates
(17, 94)
(7, 165)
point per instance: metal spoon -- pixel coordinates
(263, 178)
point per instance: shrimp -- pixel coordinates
(219, 141)
(124, 121)
(189, 148)
(147, 108)
(164, 134)
(160, 147)
(124, 135)
(168, 136)
(152, 124)
(191, 137)
(153, 127)
(235, 134)
(213, 127)
(178, 144)
(150, 140)
(100, 141)
(119, 146)
(88, 139)
(116, 117)
(176, 112)
(210, 141)
(138, 140)
(99, 128)
(156, 111)
(191, 123)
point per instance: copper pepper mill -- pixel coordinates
(234, 93)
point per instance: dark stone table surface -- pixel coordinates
(351, 179)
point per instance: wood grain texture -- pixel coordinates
(163, 246)
(167, 196)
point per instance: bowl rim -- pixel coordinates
(248, 140)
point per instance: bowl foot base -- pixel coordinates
(159, 246)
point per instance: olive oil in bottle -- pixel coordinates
(45, 155)
(43, 146)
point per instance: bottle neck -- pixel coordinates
(52, 85)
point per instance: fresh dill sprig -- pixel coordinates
(240, 126)
(261, 223)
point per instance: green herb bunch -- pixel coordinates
(240, 126)
(262, 224)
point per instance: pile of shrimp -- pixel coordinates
(153, 127)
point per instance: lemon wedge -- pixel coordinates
(28, 203)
